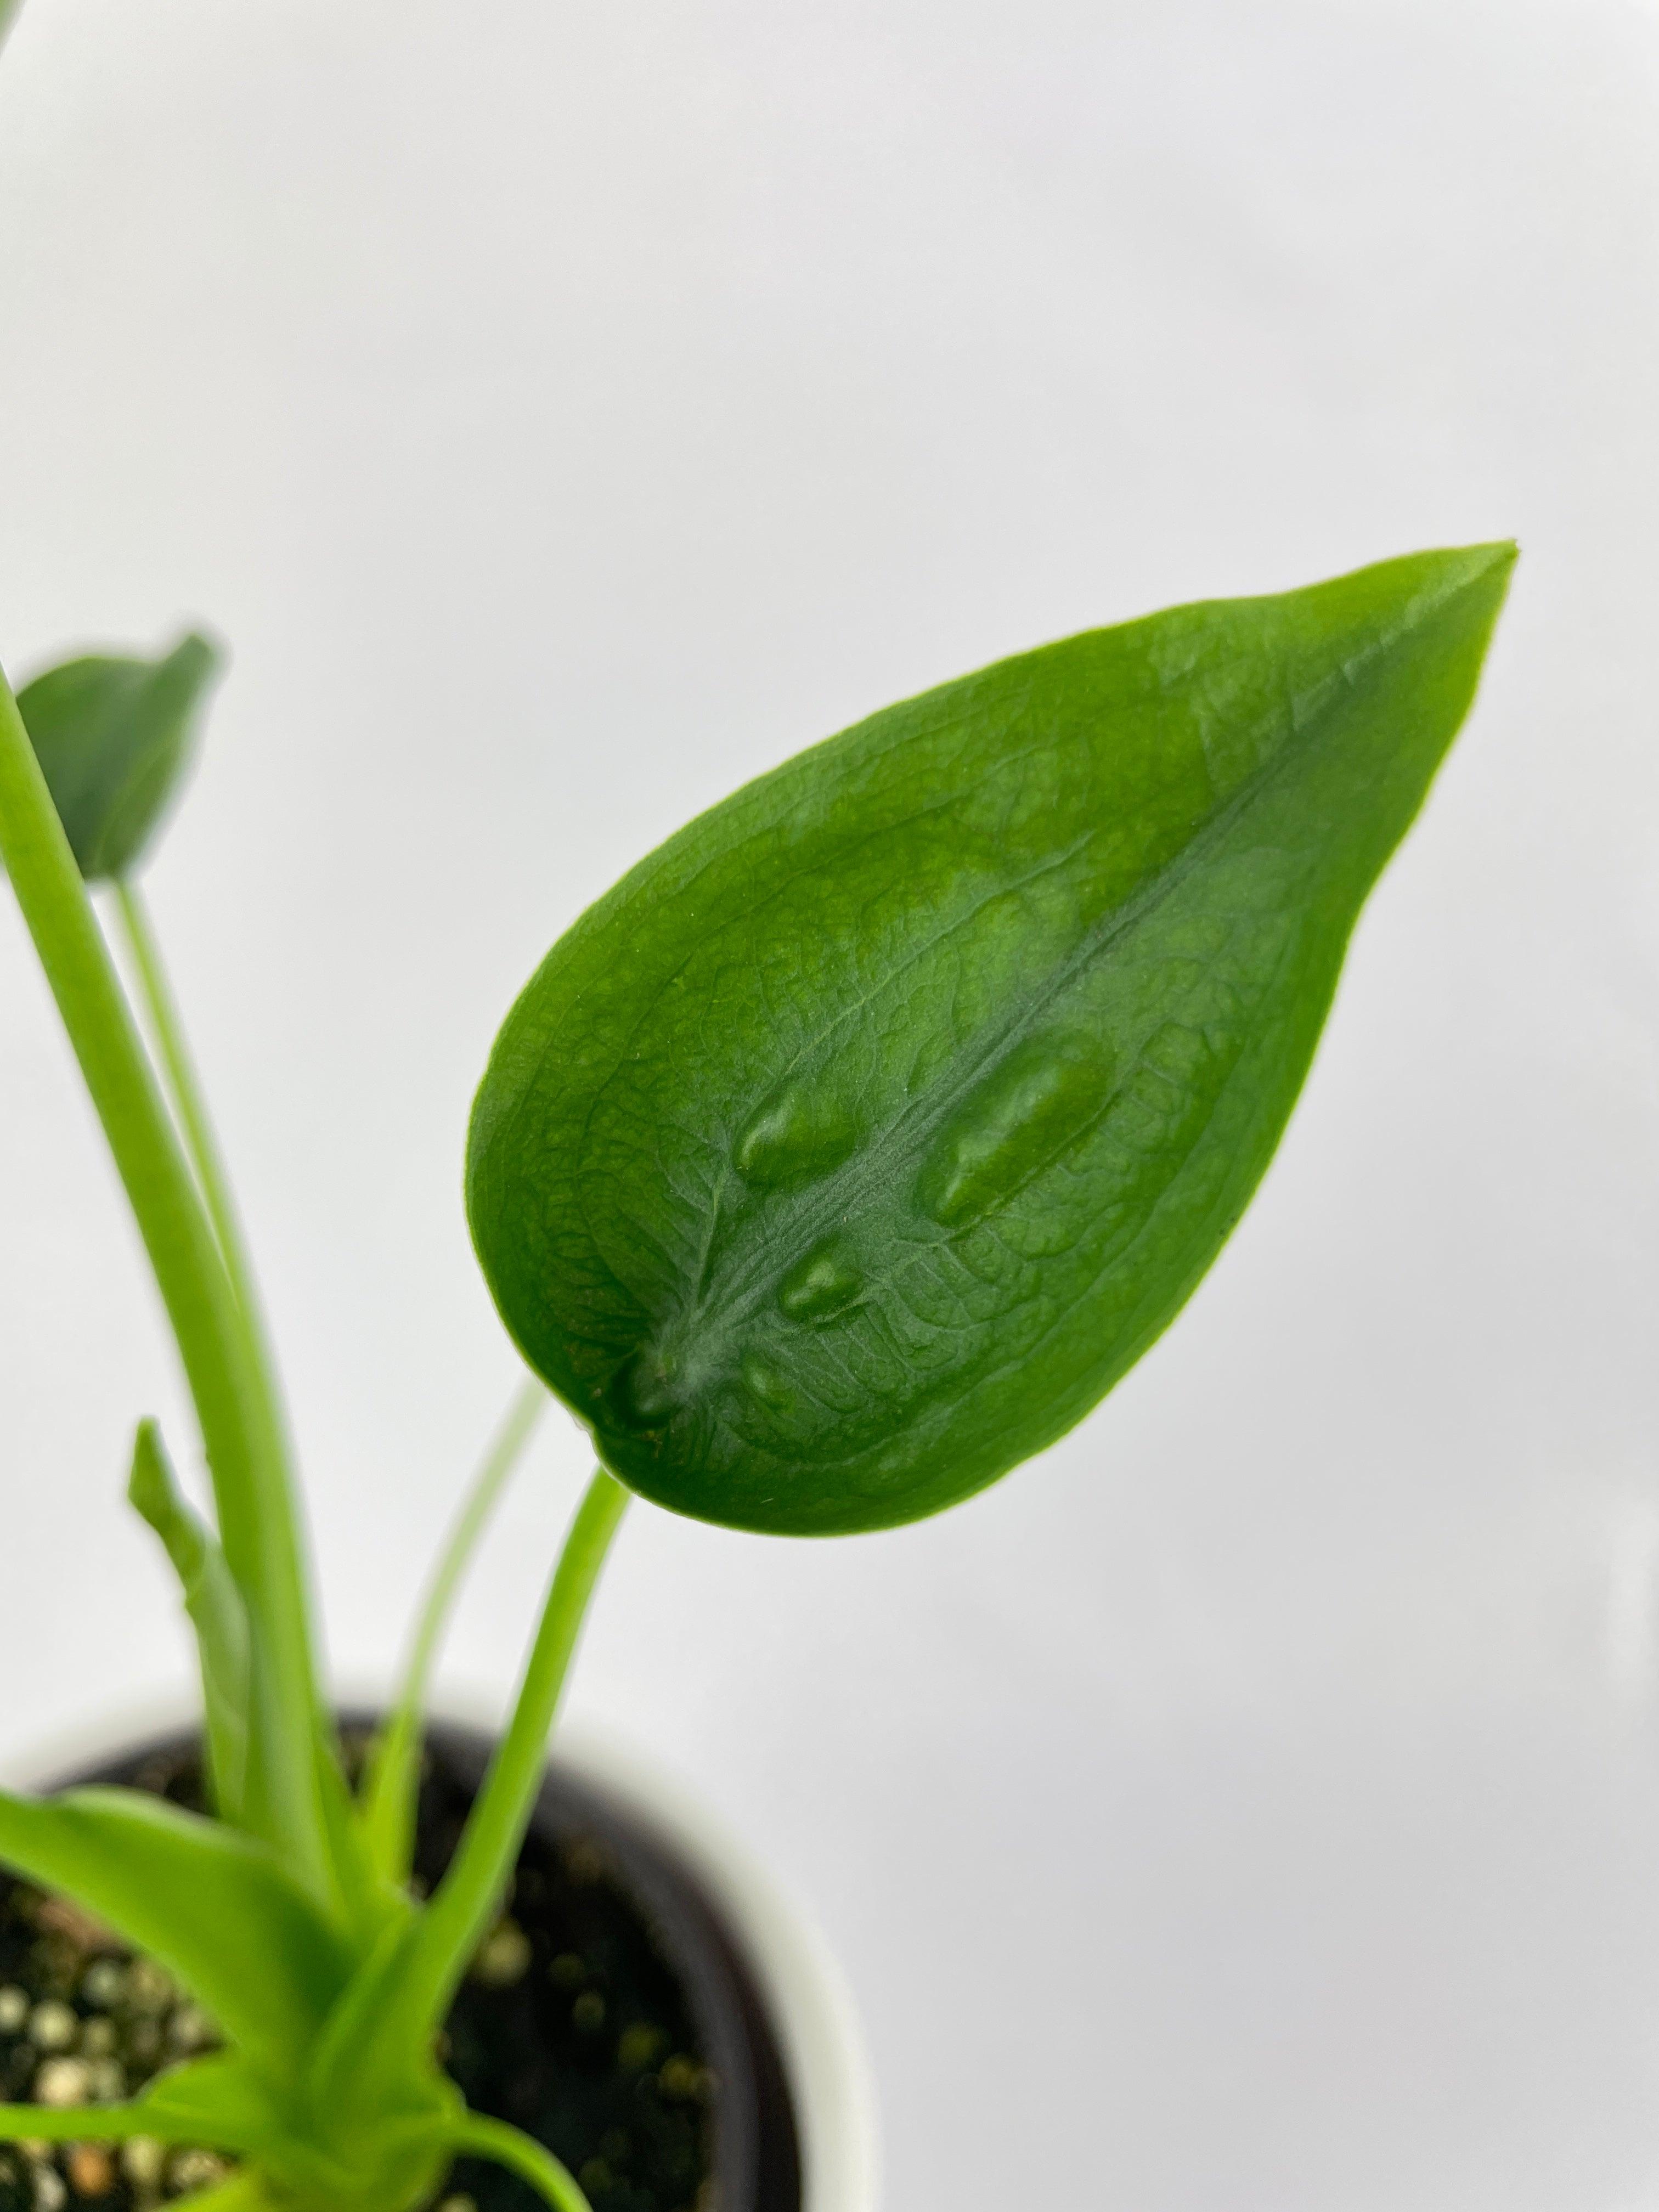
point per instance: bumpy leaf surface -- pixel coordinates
(853, 1147)
(114, 737)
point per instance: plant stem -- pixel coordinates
(522, 2154)
(183, 1089)
(178, 1071)
(450, 1929)
(389, 1792)
(256, 1508)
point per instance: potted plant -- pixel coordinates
(840, 1159)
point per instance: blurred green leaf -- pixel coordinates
(214, 1907)
(219, 2101)
(851, 1148)
(114, 738)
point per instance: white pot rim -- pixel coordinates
(812, 2009)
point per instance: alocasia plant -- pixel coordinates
(840, 1159)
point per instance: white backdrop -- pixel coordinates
(566, 411)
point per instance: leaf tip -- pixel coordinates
(146, 1482)
(1490, 563)
(201, 657)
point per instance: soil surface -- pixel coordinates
(572, 2024)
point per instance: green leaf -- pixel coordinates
(114, 738)
(217, 1908)
(216, 1610)
(238, 2192)
(218, 2101)
(852, 1148)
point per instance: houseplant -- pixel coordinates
(843, 1156)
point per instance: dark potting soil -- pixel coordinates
(572, 2025)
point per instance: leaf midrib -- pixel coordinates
(897, 1149)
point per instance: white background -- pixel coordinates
(567, 409)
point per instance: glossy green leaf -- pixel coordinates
(850, 1149)
(215, 1606)
(216, 1909)
(114, 738)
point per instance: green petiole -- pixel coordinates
(389, 1795)
(394, 2008)
(257, 1521)
(216, 1613)
(459, 1917)
(522, 2154)
(178, 1069)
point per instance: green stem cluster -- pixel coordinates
(230, 1383)
(370, 1974)
(459, 1915)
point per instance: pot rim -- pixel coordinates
(813, 2014)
